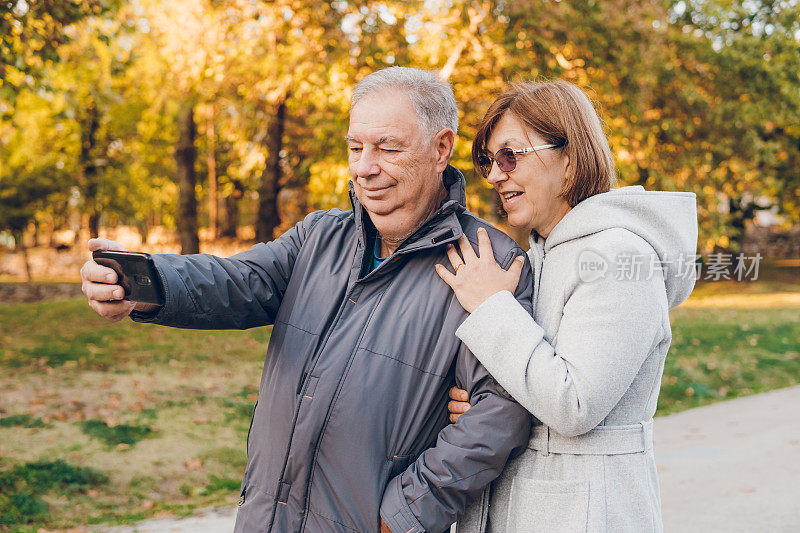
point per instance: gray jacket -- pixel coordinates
(351, 423)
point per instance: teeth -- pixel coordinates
(510, 195)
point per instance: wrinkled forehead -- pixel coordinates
(387, 113)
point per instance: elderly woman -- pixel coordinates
(607, 267)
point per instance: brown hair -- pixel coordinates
(562, 114)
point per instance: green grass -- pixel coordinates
(722, 353)
(115, 435)
(163, 413)
(22, 487)
(155, 409)
(24, 421)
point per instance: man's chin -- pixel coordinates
(379, 208)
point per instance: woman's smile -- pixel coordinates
(531, 191)
(511, 199)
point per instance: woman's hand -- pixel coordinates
(478, 277)
(459, 404)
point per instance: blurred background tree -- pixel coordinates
(229, 114)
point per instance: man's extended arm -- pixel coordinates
(242, 291)
(468, 455)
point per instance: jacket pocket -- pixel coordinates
(398, 465)
(254, 510)
(544, 505)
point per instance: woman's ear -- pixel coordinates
(443, 142)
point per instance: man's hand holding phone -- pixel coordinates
(101, 286)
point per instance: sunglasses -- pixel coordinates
(506, 158)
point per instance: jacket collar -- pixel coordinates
(442, 227)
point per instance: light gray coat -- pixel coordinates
(588, 364)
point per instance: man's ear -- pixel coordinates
(443, 142)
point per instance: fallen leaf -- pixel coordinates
(192, 464)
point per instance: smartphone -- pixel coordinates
(136, 274)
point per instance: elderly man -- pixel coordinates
(350, 430)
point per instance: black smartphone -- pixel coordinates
(136, 274)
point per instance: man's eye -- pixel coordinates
(389, 150)
(355, 149)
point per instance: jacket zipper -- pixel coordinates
(314, 360)
(336, 393)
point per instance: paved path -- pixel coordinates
(727, 467)
(205, 521)
(732, 466)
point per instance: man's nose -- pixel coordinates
(367, 164)
(495, 175)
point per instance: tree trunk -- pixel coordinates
(20, 243)
(35, 230)
(232, 210)
(89, 127)
(267, 218)
(739, 215)
(143, 228)
(94, 223)
(51, 237)
(212, 180)
(185, 157)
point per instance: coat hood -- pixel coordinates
(667, 221)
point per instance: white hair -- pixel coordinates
(431, 96)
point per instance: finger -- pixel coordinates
(446, 275)
(91, 271)
(454, 418)
(458, 407)
(125, 311)
(103, 292)
(466, 249)
(459, 395)
(118, 317)
(515, 270)
(452, 255)
(99, 243)
(485, 245)
(109, 310)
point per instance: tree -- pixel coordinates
(32, 35)
(34, 163)
(185, 157)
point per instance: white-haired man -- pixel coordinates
(350, 432)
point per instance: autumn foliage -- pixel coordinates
(216, 114)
